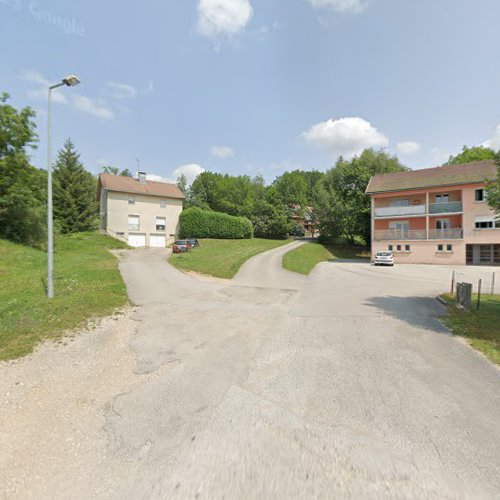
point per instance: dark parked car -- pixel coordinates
(181, 246)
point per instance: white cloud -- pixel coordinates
(222, 152)
(345, 136)
(352, 6)
(494, 141)
(191, 171)
(33, 76)
(159, 178)
(92, 107)
(121, 90)
(439, 156)
(408, 148)
(223, 17)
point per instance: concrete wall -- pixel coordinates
(424, 252)
(473, 209)
(147, 208)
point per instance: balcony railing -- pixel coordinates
(446, 234)
(398, 235)
(446, 208)
(395, 211)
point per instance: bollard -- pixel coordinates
(479, 294)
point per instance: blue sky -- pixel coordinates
(256, 86)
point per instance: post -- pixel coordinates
(479, 294)
(50, 230)
(453, 283)
(493, 284)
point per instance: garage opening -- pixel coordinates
(483, 255)
(137, 240)
(157, 241)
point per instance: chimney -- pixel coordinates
(142, 177)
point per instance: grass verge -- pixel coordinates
(86, 280)
(480, 328)
(222, 258)
(305, 258)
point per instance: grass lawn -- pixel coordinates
(480, 328)
(222, 258)
(305, 258)
(86, 280)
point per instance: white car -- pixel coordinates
(384, 259)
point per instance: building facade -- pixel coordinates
(436, 216)
(140, 212)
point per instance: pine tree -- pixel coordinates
(75, 202)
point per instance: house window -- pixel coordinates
(449, 248)
(398, 248)
(390, 247)
(440, 248)
(133, 223)
(480, 195)
(160, 223)
(407, 248)
(131, 200)
(163, 203)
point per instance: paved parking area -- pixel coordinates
(341, 384)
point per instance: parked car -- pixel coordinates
(384, 259)
(297, 231)
(181, 246)
(194, 242)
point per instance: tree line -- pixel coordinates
(337, 197)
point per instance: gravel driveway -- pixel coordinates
(273, 385)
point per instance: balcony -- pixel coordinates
(446, 208)
(446, 234)
(397, 211)
(400, 235)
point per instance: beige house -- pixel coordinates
(436, 215)
(141, 212)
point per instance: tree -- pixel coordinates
(75, 202)
(116, 171)
(22, 187)
(182, 183)
(493, 190)
(475, 153)
(291, 189)
(341, 204)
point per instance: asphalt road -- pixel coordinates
(340, 385)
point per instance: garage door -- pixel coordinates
(157, 241)
(137, 240)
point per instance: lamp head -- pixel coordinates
(71, 80)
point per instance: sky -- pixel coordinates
(255, 86)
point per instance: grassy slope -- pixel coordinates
(481, 328)
(87, 284)
(305, 258)
(222, 258)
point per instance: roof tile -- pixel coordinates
(131, 185)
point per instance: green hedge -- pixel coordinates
(198, 223)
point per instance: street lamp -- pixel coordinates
(70, 81)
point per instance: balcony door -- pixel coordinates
(400, 228)
(442, 198)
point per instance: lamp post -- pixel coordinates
(70, 81)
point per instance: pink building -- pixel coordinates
(436, 215)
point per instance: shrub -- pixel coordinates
(198, 223)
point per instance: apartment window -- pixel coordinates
(486, 223)
(407, 248)
(131, 200)
(442, 198)
(133, 223)
(443, 224)
(163, 203)
(398, 248)
(449, 248)
(160, 223)
(390, 248)
(440, 248)
(480, 195)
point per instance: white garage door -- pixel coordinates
(137, 240)
(157, 241)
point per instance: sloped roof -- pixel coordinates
(449, 175)
(131, 185)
